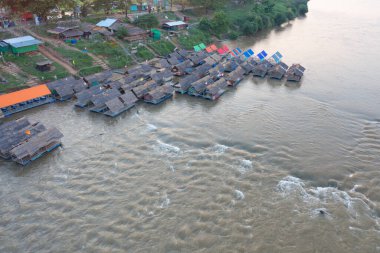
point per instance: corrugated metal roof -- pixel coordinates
(106, 22)
(22, 41)
(23, 95)
(175, 23)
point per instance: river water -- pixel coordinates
(251, 172)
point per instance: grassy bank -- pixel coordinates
(111, 51)
(162, 47)
(11, 83)
(194, 37)
(27, 63)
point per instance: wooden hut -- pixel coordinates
(295, 73)
(44, 66)
(65, 33)
(25, 99)
(98, 78)
(175, 25)
(98, 102)
(162, 64)
(24, 142)
(64, 89)
(217, 72)
(141, 91)
(183, 86)
(261, 69)
(211, 61)
(202, 71)
(215, 90)
(36, 146)
(230, 65)
(183, 68)
(162, 77)
(15, 132)
(128, 86)
(120, 104)
(278, 71)
(84, 97)
(198, 88)
(159, 94)
(198, 58)
(235, 77)
(248, 67)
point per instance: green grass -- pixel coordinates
(12, 83)
(162, 47)
(79, 60)
(195, 37)
(112, 52)
(90, 71)
(170, 14)
(93, 19)
(144, 54)
(27, 63)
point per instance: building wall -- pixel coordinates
(22, 50)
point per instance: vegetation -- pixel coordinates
(162, 47)
(147, 21)
(252, 17)
(144, 54)
(121, 32)
(90, 71)
(195, 37)
(78, 59)
(27, 63)
(9, 82)
(114, 54)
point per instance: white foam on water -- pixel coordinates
(239, 195)
(219, 148)
(165, 202)
(245, 166)
(151, 127)
(168, 148)
(323, 196)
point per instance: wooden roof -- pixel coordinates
(23, 95)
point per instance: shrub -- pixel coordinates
(147, 21)
(233, 35)
(121, 32)
(302, 9)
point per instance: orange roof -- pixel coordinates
(23, 95)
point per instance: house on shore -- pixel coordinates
(109, 24)
(66, 33)
(23, 44)
(24, 99)
(175, 25)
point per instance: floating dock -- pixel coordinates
(24, 142)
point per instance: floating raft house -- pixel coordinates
(278, 71)
(24, 142)
(295, 73)
(116, 106)
(235, 77)
(159, 94)
(198, 88)
(24, 99)
(216, 90)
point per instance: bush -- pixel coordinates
(147, 21)
(233, 35)
(205, 24)
(302, 9)
(280, 18)
(122, 32)
(90, 71)
(249, 28)
(195, 37)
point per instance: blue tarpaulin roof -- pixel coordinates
(108, 22)
(22, 41)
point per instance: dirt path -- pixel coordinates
(43, 50)
(59, 43)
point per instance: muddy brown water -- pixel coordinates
(270, 167)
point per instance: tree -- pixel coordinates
(220, 23)
(208, 4)
(147, 21)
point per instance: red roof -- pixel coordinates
(23, 95)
